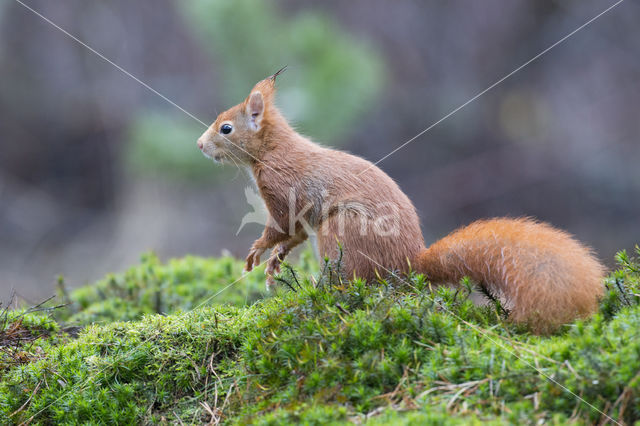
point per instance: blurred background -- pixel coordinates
(95, 169)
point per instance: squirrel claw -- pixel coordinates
(273, 266)
(277, 255)
(271, 284)
(253, 259)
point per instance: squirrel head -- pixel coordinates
(239, 133)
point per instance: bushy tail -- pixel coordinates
(541, 275)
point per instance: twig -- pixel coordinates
(343, 310)
(23, 406)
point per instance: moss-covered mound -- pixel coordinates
(170, 343)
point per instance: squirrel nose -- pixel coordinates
(200, 145)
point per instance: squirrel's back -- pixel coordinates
(543, 276)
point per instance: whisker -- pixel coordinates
(243, 170)
(236, 164)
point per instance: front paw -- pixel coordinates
(253, 259)
(273, 265)
(277, 256)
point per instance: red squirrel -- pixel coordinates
(542, 275)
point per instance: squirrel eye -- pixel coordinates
(226, 129)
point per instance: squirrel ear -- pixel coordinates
(266, 87)
(255, 110)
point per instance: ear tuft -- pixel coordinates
(277, 73)
(255, 109)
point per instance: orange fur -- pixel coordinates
(542, 275)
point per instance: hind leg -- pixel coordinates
(359, 250)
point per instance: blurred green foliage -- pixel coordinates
(332, 77)
(165, 145)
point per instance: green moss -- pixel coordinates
(128, 371)
(330, 353)
(175, 286)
